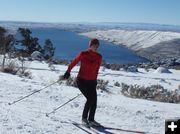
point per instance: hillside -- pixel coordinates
(142, 41)
(114, 109)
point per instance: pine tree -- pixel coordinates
(29, 43)
(2, 40)
(6, 43)
(48, 50)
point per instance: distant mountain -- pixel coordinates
(85, 26)
(142, 26)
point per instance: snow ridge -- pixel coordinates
(133, 39)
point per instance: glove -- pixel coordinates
(66, 75)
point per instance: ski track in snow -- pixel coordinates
(113, 110)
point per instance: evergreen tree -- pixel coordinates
(2, 31)
(10, 41)
(2, 39)
(6, 43)
(29, 43)
(34, 45)
(48, 50)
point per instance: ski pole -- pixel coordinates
(47, 114)
(31, 93)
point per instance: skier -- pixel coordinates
(87, 79)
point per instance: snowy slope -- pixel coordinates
(134, 39)
(114, 109)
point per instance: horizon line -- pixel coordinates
(148, 23)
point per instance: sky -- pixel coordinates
(133, 11)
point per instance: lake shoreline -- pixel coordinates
(152, 45)
(68, 44)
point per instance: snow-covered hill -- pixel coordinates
(150, 44)
(134, 39)
(113, 110)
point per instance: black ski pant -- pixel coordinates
(88, 89)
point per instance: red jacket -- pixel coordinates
(90, 64)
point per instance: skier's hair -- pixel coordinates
(93, 41)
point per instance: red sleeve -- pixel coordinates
(100, 61)
(74, 62)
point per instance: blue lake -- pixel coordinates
(69, 44)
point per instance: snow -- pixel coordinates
(37, 55)
(113, 110)
(162, 70)
(134, 39)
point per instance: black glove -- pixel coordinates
(66, 75)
